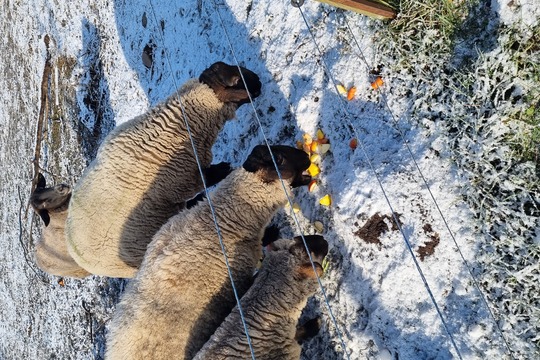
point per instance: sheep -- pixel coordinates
(145, 170)
(182, 291)
(51, 253)
(272, 307)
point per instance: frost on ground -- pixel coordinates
(454, 113)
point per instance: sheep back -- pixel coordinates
(143, 171)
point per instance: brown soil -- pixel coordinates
(376, 226)
(429, 248)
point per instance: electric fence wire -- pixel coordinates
(218, 230)
(334, 321)
(423, 178)
(298, 4)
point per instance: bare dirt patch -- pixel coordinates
(376, 226)
(429, 247)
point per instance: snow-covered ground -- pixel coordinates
(98, 79)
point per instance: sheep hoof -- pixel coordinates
(228, 85)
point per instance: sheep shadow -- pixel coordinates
(96, 117)
(94, 121)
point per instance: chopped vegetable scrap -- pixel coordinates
(315, 158)
(341, 89)
(313, 170)
(319, 227)
(351, 93)
(377, 83)
(323, 148)
(326, 200)
(315, 146)
(296, 207)
(313, 186)
(325, 264)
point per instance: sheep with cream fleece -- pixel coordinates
(146, 169)
(182, 291)
(272, 306)
(51, 204)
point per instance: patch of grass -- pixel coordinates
(465, 74)
(525, 143)
(524, 50)
(426, 23)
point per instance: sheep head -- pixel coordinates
(318, 248)
(44, 199)
(291, 162)
(227, 83)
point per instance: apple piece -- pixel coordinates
(312, 186)
(323, 148)
(307, 139)
(319, 227)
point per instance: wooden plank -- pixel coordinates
(365, 7)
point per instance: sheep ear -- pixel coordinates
(228, 85)
(308, 330)
(318, 246)
(216, 172)
(41, 182)
(44, 215)
(306, 271)
(232, 95)
(271, 234)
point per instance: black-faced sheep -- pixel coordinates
(146, 169)
(51, 204)
(272, 306)
(182, 291)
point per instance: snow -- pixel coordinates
(375, 291)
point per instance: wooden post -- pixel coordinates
(366, 7)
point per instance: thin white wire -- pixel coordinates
(385, 102)
(340, 336)
(218, 230)
(372, 168)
